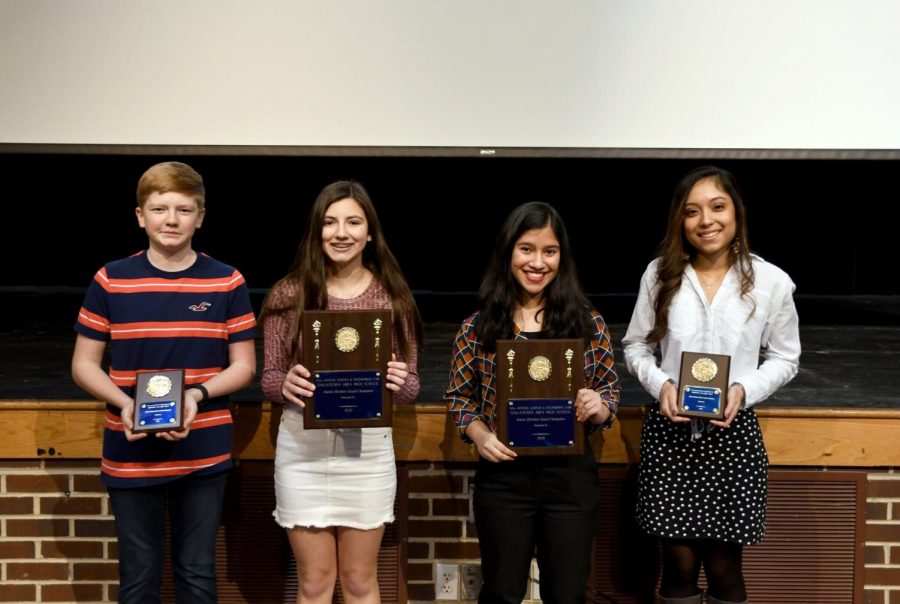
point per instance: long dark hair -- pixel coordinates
(675, 252)
(308, 274)
(566, 312)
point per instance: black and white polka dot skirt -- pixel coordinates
(711, 487)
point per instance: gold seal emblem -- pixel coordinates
(539, 368)
(704, 369)
(346, 339)
(159, 385)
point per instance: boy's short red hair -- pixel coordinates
(171, 176)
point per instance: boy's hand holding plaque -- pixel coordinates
(159, 401)
(537, 382)
(703, 385)
(347, 352)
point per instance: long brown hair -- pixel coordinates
(308, 274)
(566, 312)
(675, 252)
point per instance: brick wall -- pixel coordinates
(882, 578)
(57, 539)
(441, 528)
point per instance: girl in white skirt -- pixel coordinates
(334, 489)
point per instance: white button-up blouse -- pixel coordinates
(722, 327)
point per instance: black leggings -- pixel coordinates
(721, 561)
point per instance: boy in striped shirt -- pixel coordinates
(167, 307)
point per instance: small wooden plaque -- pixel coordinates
(159, 401)
(703, 385)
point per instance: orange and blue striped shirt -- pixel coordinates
(156, 320)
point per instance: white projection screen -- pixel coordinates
(488, 75)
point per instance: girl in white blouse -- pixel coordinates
(702, 486)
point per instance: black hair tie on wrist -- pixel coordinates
(203, 390)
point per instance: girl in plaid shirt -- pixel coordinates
(548, 503)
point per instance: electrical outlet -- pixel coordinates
(470, 579)
(446, 582)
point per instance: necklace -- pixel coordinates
(710, 284)
(355, 290)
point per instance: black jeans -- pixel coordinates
(195, 507)
(548, 504)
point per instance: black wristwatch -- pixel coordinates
(203, 390)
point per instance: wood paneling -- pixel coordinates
(794, 437)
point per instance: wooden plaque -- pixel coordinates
(159, 401)
(347, 352)
(703, 385)
(537, 381)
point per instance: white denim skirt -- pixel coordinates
(323, 478)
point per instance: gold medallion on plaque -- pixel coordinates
(346, 339)
(159, 385)
(704, 369)
(539, 368)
